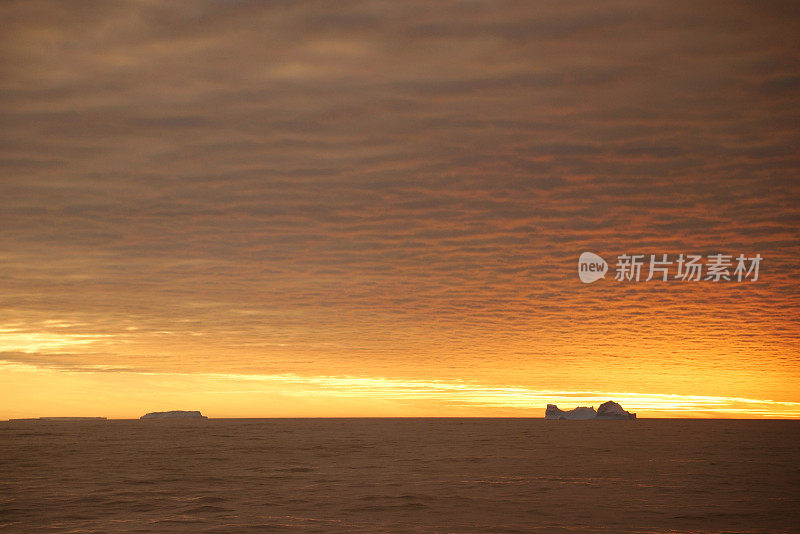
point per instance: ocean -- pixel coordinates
(400, 475)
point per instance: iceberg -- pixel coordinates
(581, 412)
(58, 419)
(607, 410)
(612, 410)
(175, 414)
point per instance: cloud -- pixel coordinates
(398, 189)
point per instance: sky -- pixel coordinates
(318, 209)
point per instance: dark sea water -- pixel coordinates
(400, 475)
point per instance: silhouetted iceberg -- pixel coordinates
(607, 410)
(175, 414)
(581, 412)
(612, 410)
(58, 419)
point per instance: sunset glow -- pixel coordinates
(253, 211)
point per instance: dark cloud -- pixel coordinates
(399, 188)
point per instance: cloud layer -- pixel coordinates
(401, 190)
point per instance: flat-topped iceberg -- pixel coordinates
(607, 410)
(58, 419)
(175, 414)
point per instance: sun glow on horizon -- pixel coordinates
(383, 214)
(125, 393)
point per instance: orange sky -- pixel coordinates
(361, 209)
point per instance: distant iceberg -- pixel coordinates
(612, 410)
(58, 419)
(175, 414)
(607, 410)
(581, 412)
